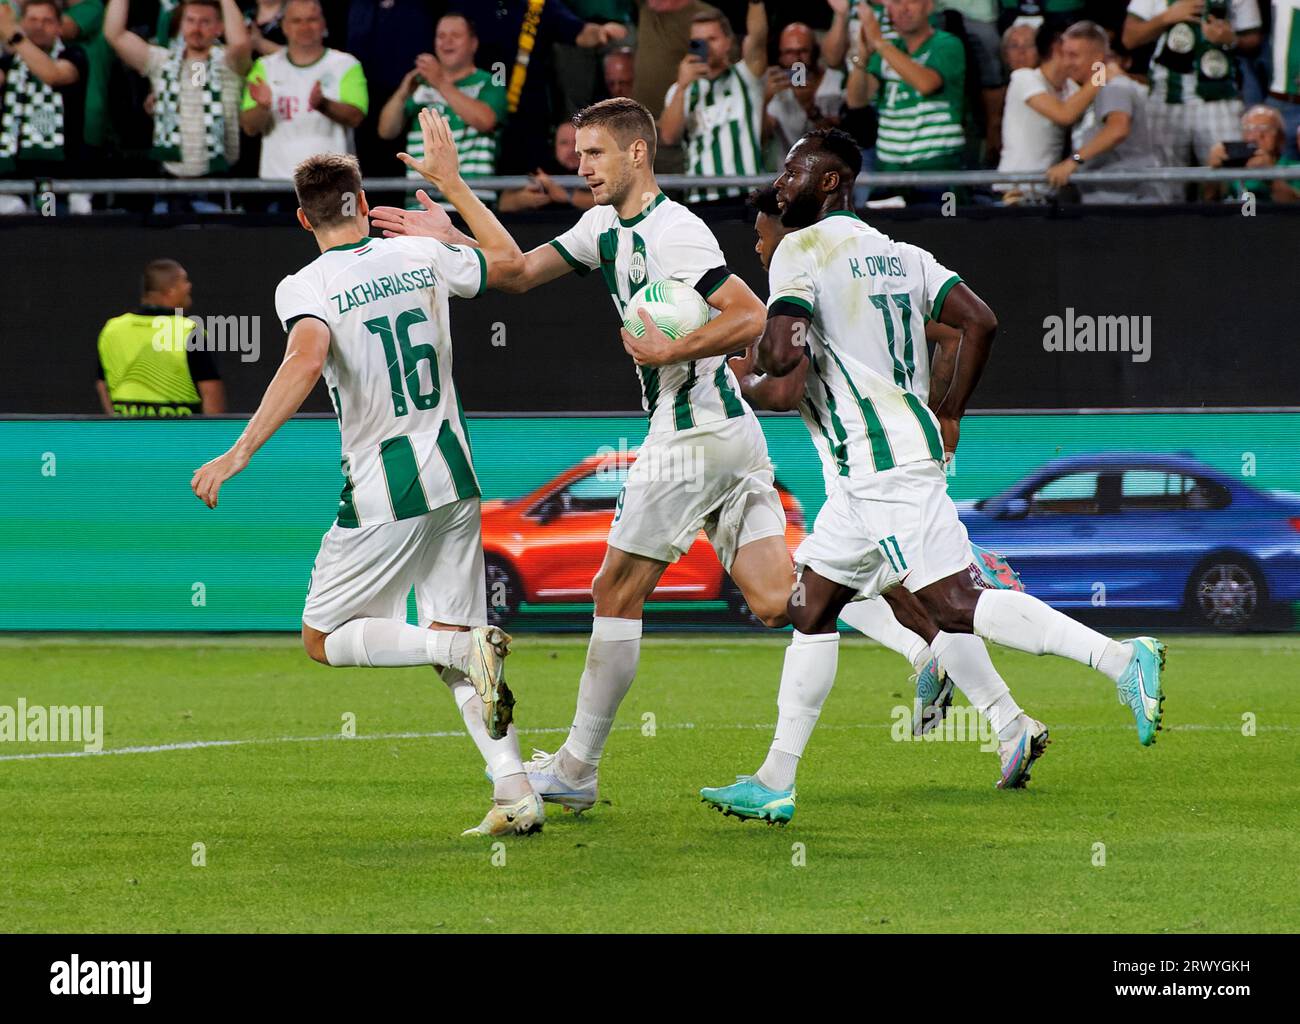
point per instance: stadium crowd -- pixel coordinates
(203, 89)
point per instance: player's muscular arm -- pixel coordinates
(776, 394)
(784, 342)
(739, 323)
(960, 358)
(304, 358)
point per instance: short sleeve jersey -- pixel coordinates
(297, 131)
(389, 370)
(666, 240)
(868, 299)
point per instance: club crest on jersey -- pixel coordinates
(636, 269)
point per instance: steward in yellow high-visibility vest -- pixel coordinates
(152, 361)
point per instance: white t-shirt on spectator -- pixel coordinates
(1030, 141)
(297, 131)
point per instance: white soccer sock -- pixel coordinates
(509, 780)
(966, 659)
(1016, 619)
(612, 658)
(377, 643)
(806, 679)
(449, 648)
(875, 619)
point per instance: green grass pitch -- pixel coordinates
(305, 831)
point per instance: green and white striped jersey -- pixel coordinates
(1286, 47)
(724, 126)
(868, 298)
(477, 150)
(665, 240)
(405, 442)
(916, 131)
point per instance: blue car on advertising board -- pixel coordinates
(1146, 531)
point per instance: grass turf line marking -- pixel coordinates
(164, 748)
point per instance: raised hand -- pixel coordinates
(431, 222)
(440, 164)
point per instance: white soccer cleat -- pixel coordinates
(1018, 755)
(523, 817)
(553, 786)
(490, 645)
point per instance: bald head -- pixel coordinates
(796, 45)
(619, 68)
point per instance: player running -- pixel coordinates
(635, 234)
(873, 617)
(851, 301)
(371, 314)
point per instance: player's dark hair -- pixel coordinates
(159, 275)
(763, 200)
(325, 183)
(626, 119)
(840, 145)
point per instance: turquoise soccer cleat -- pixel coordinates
(1139, 687)
(933, 697)
(747, 799)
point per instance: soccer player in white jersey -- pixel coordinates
(371, 314)
(698, 421)
(853, 303)
(873, 616)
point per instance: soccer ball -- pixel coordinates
(675, 308)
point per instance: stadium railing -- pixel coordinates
(244, 186)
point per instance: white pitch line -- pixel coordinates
(164, 748)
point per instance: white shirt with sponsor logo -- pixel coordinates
(868, 298)
(666, 240)
(297, 131)
(405, 443)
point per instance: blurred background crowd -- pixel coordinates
(208, 89)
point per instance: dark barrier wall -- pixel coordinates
(1214, 294)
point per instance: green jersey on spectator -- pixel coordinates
(921, 132)
(477, 150)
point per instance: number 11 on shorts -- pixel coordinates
(896, 560)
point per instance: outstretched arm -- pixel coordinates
(133, 50)
(539, 265)
(304, 358)
(441, 167)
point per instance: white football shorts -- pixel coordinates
(717, 477)
(890, 528)
(368, 572)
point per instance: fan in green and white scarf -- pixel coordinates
(31, 124)
(167, 108)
